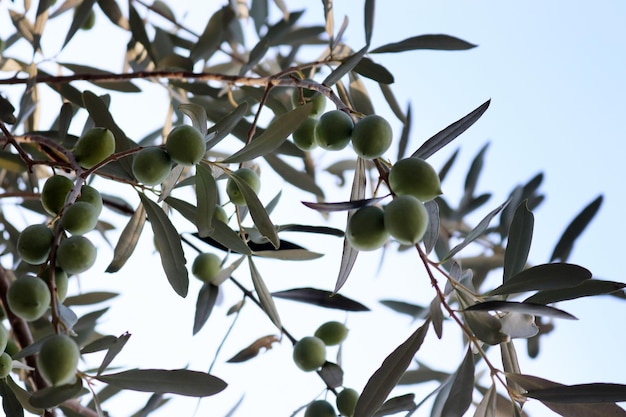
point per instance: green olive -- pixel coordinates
(76, 254)
(320, 408)
(416, 177)
(152, 165)
(58, 359)
(220, 214)
(60, 281)
(34, 244)
(185, 145)
(309, 353)
(28, 297)
(346, 401)
(54, 193)
(304, 135)
(94, 146)
(332, 333)
(333, 130)
(4, 338)
(318, 100)
(248, 176)
(366, 229)
(92, 196)
(406, 219)
(206, 266)
(371, 136)
(80, 218)
(6, 364)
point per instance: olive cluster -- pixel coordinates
(346, 402)
(184, 145)
(309, 353)
(413, 181)
(370, 136)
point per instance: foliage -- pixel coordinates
(244, 110)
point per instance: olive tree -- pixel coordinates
(254, 96)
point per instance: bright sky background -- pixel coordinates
(554, 73)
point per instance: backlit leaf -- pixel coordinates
(404, 136)
(226, 124)
(346, 66)
(10, 403)
(22, 396)
(113, 351)
(213, 35)
(254, 348)
(343, 205)
(207, 296)
(123, 86)
(397, 404)
(573, 231)
(81, 14)
(289, 254)
(389, 373)
(436, 41)
(588, 288)
(403, 307)
(206, 192)
(487, 406)
(291, 175)
(520, 238)
(432, 230)
(177, 381)
(170, 248)
(265, 297)
(369, 20)
(138, 29)
(450, 133)
(275, 134)
(460, 396)
(370, 69)
(114, 13)
(90, 298)
(49, 397)
(475, 233)
(128, 240)
(544, 277)
(518, 307)
(321, 298)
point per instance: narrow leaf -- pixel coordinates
(343, 205)
(113, 351)
(520, 238)
(544, 277)
(170, 248)
(207, 296)
(349, 254)
(50, 397)
(406, 132)
(289, 254)
(321, 298)
(90, 298)
(588, 288)
(475, 233)
(275, 134)
(22, 396)
(206, 194)
(346, 66)
(518, 307)
(387, 376)
(436, 41)
(259, 215)
(212, 36)
(226, 124)
(396, 405)
(80, 16)
(138, 29)
(177, 381)
(368, 68)
(460, 396)
(432, 230)
(581, 393)
(254, 349)
(403, 307)
(450, 133)
(265, 297)
(294, 177)
(369, 19)
(114, 13)
(487, 406)
(10, 403)
(128, 240)
(573, 231)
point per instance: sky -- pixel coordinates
(554, 74)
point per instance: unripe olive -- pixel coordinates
(309, 353)
(250, 177)
(4, 338)
(320, 408)
(416, 177)
(346, 401)
(318, 100)
(34, 243)
(28, 297)
(54, 193)
(90, 21)
(406, 219)
(58, 359)
(94, 146)
(151, 166)
(206, 266)
(220, 214)
(76, 254)
(185, 145)
(12, 348)
(332, 333)
(92, 196)
(60, 281)
(371, 136)
(6, 364)
(366, 229)
(80, 218)
(304, 135)
(333, 130)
